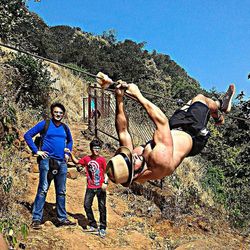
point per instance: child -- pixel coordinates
(97, 181)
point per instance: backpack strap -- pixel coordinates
(44, 131)
(66, 128)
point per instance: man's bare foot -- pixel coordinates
(103, 80)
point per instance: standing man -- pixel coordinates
(97, 182)
(52, 163)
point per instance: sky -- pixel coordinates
(210, 39)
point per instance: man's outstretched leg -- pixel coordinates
(222, 105)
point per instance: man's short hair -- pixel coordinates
(95, 143)
(57, 104)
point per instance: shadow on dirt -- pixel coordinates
(49, 214)
(82, 220)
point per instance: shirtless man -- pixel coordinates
(184, 134)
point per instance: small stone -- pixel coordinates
(72, 174)
(71, 164)
(34, 168)
(48, 223)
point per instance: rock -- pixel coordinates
(17, 143)
(72, 174)
(71, 164)
(27, 166)
(33, 160)
(204, 224)
(34, 168)
(48, 223)
(79, 154)
(26, 155)
(81, 148)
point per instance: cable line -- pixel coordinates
(95, 76)
(68, 67)
(49, 60)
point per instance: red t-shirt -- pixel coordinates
(95, 169)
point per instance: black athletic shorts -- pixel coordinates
(193, 121)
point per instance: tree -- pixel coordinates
(110, 36)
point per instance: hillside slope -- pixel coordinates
(195, 203)
(133, 221)
(143, 217)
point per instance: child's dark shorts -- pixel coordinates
(193, 121)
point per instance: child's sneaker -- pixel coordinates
(102, 233)
(91, 229)
(226, 101)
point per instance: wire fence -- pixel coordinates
(101, 118)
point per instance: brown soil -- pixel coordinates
(128, 226)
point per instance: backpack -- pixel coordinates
(39, 139)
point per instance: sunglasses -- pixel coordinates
(96, 148)
(58, 112)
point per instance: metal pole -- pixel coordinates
(83, 108)
(95, 98)
(89, 105)
(108, 105)
(102, 102)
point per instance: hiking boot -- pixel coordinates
(67, 222)
(36, 224)
(102, 233)
(226, 101)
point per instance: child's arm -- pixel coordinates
(105, 183)
(74, 159)
(106, 178)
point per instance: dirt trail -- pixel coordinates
(126, 229)
(52, 237)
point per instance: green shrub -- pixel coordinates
(13, 230)
(31, 83)
(228, 152)
(214, 180)
(8, 117)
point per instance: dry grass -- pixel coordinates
(13, 185)
(190, 174)
(69, 90)
(6, 54)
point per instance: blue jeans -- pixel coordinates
(43, 187)
(88, 201)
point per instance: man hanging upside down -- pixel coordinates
(184, 134)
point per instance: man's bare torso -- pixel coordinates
(157, 157)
